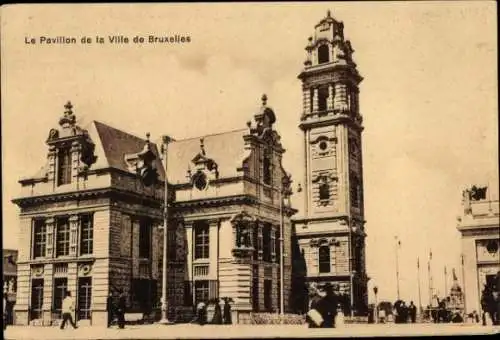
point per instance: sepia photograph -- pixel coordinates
(249, 170)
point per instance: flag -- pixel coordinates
(462, 259)
(418, 263)
(430, 254)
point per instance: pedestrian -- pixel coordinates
(68, 308)
(217, 318)
(200, 312)
(4, 312)
(413, 312)
(381, 315)
(327, 306)
(110, 308)
(227, 312)
(120, 309)
(313, 317)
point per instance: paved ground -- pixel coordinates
(242, 331)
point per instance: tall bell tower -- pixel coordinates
(330, 235)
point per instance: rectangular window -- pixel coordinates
(188, 293)
(201, 241)
(201, 291)
(39, 238)
(268, 284)
(63, 166)
(36, 299)
(143, 294)
(267, 169)
(145, 238)
(86, 234)
(266, 240)
(60, 289)
(255, 242)
(172, 245)
(84, 297)
(62, 237)
(324, 259)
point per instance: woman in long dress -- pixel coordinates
(217, 318)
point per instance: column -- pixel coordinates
(73, 282)
(51, 172)
(48, 288)
(331, 95)
(273, 243)
(260, 240)
(50, 225)
(315, 100)
(189, 270)
(73, 235)
(75, 163)
(214, 258)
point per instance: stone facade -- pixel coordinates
(480, 229)
(92, 222)
(330, 236)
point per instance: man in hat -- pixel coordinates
(120, 309)
(327, 306)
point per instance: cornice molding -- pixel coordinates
(81, 194)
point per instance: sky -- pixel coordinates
(428, 99)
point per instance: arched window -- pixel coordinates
(323, 54)
(322, 98)
(324, 259)
(64, 166)
(324, 190)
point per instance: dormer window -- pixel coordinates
(200, 181)
(63, 166)
(267, 170)
(323, 54)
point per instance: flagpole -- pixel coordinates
(463, 285)
(430, 278)
(397, 264)
(445, 283)
(419, 295)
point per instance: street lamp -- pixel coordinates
(164, 298)
(285, 191)
(375, 314)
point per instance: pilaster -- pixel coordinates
(73, 238)
(75, 163)
(213, 233)
(50, 224)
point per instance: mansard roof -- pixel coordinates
(112, 145)
(226, 149)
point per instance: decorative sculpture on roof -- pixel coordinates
(145, 164)
(264, 121)
(206, 168)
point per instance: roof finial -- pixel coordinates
(68, 106)
(328, 13)
(264, 99)
(202, 146)
(147, 136)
